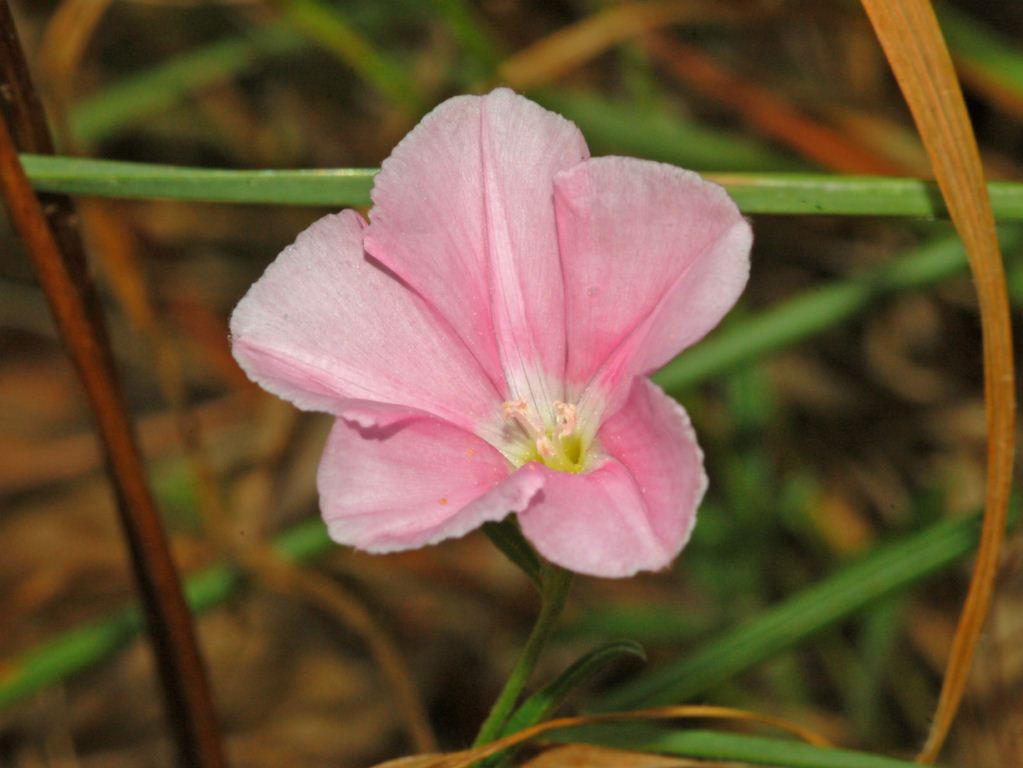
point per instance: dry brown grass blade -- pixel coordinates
(65, 38)
(467, 757)
(57, 257)
(912, 40)
(288, 579)
(576, 44)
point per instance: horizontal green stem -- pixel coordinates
(756, 193)
(113, 178)
(884, 571)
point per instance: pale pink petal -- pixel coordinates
(415, 482)
(653, 257)
(427, 223)
(463, 211)
(636, 509)
(325, 325)
(653, 438)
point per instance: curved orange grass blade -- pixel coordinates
(912, 41)
(467, 757)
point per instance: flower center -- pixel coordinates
(558, 446)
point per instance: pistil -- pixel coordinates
(558, 446)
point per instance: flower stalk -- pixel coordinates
(555, 584)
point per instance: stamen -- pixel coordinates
(557, 446)
(566, 418)
(518, 411)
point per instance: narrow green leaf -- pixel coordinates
(83, 646)
(546, 701)
(327, 25)
(461, 18)
(981, 48)
(163, 86)
(810, 313)
(727, 747)
(507, 537)
(882, 572)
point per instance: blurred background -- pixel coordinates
(867, 428)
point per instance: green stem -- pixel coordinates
(556, 583)
(814, 194)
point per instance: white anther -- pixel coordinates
(511, 409)
(566, 418)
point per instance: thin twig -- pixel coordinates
(58, 258)
(27, 121)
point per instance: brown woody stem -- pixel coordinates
(57, 256)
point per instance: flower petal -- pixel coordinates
(653, 257)
(635, 510)
(324, 326)
(463, 212)
(415, 482)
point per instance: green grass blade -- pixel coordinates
(67, 654)
(978, 46)
(461, 19)
(544, 702)
(729, 747)
(822, 308)
(884, 571)
(160, 88)
(82, 647)
(330, 28)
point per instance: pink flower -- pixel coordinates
(484, 340)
